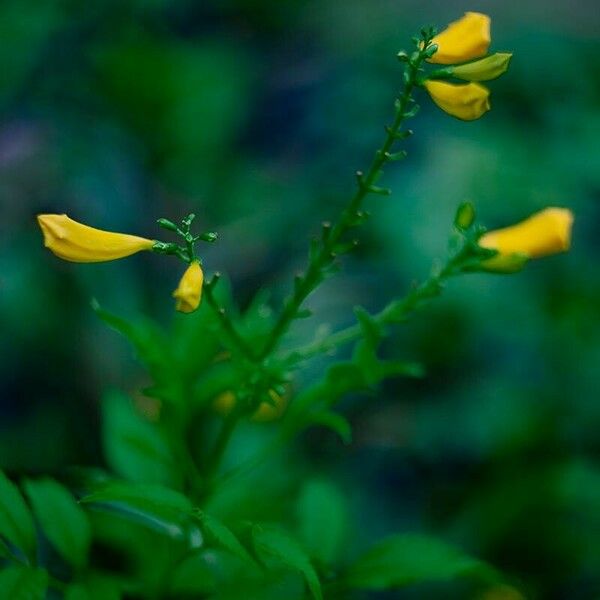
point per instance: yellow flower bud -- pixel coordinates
(544, 233)
(466, 101)
(225, 402)
(484, 69)
(189, 291)
(73, 241)
(463, 40)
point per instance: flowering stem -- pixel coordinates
(323, 258)
(395, 312)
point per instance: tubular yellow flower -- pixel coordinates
(463, 40)
(76, 242)
(466, 101)
(544, 233)
(189, 291)
(485, 69)
(266, 412)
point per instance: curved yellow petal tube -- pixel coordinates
(189, 291)
(544, 233)
(463, 40)
(465, 101)
(76, 242)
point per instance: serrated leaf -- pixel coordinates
(135, 448)
(274, 546)
(406, 559)
(23, 583)
(222, 535)
(62, 520)
(16, 522)
(334, 421)
(156, 507)
(322, 520)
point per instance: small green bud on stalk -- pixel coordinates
(465, 215)
(166, 224)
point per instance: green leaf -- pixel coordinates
(222, 535)
(16, 522)
(192, 577)
(158, 508)
(323, 520)
(23, 583)
(143, 335)
(152, 350)
(407, 559)
(274, 546)
(334, 421)
(135, 448)
(63, 521)
(94, 588)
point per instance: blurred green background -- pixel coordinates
(254, 114)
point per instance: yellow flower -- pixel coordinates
(484, 69)
(544, 233)
(466, 101)
(463, 40)
(225, 402)
(189, 290)
(73, 241)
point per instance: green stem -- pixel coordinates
(221, 443)
(235, 339)
(394, 312)
(348, 218)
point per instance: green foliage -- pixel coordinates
(322, 521)
(123, 111)
(159, 508)
(16, 522)
(136, 448)
(222, 536)
(407, 559)
(275, 547)
(23, 583)
(193, 576)
(96, 588)
(61, 519)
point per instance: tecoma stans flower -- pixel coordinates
(76, 242)
(466, 101)
(189, 291)
(544, 233)
(463, 40)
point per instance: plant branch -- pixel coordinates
(395, 312)
(322, 258)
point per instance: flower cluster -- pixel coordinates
(76, 242)
(463, 45)
(463, 50)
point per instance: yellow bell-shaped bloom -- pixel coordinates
(544, 233)
(466, 101)
(189, 291)
(76, 242)
(484, 69)
(463, 40)
(225, 402)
